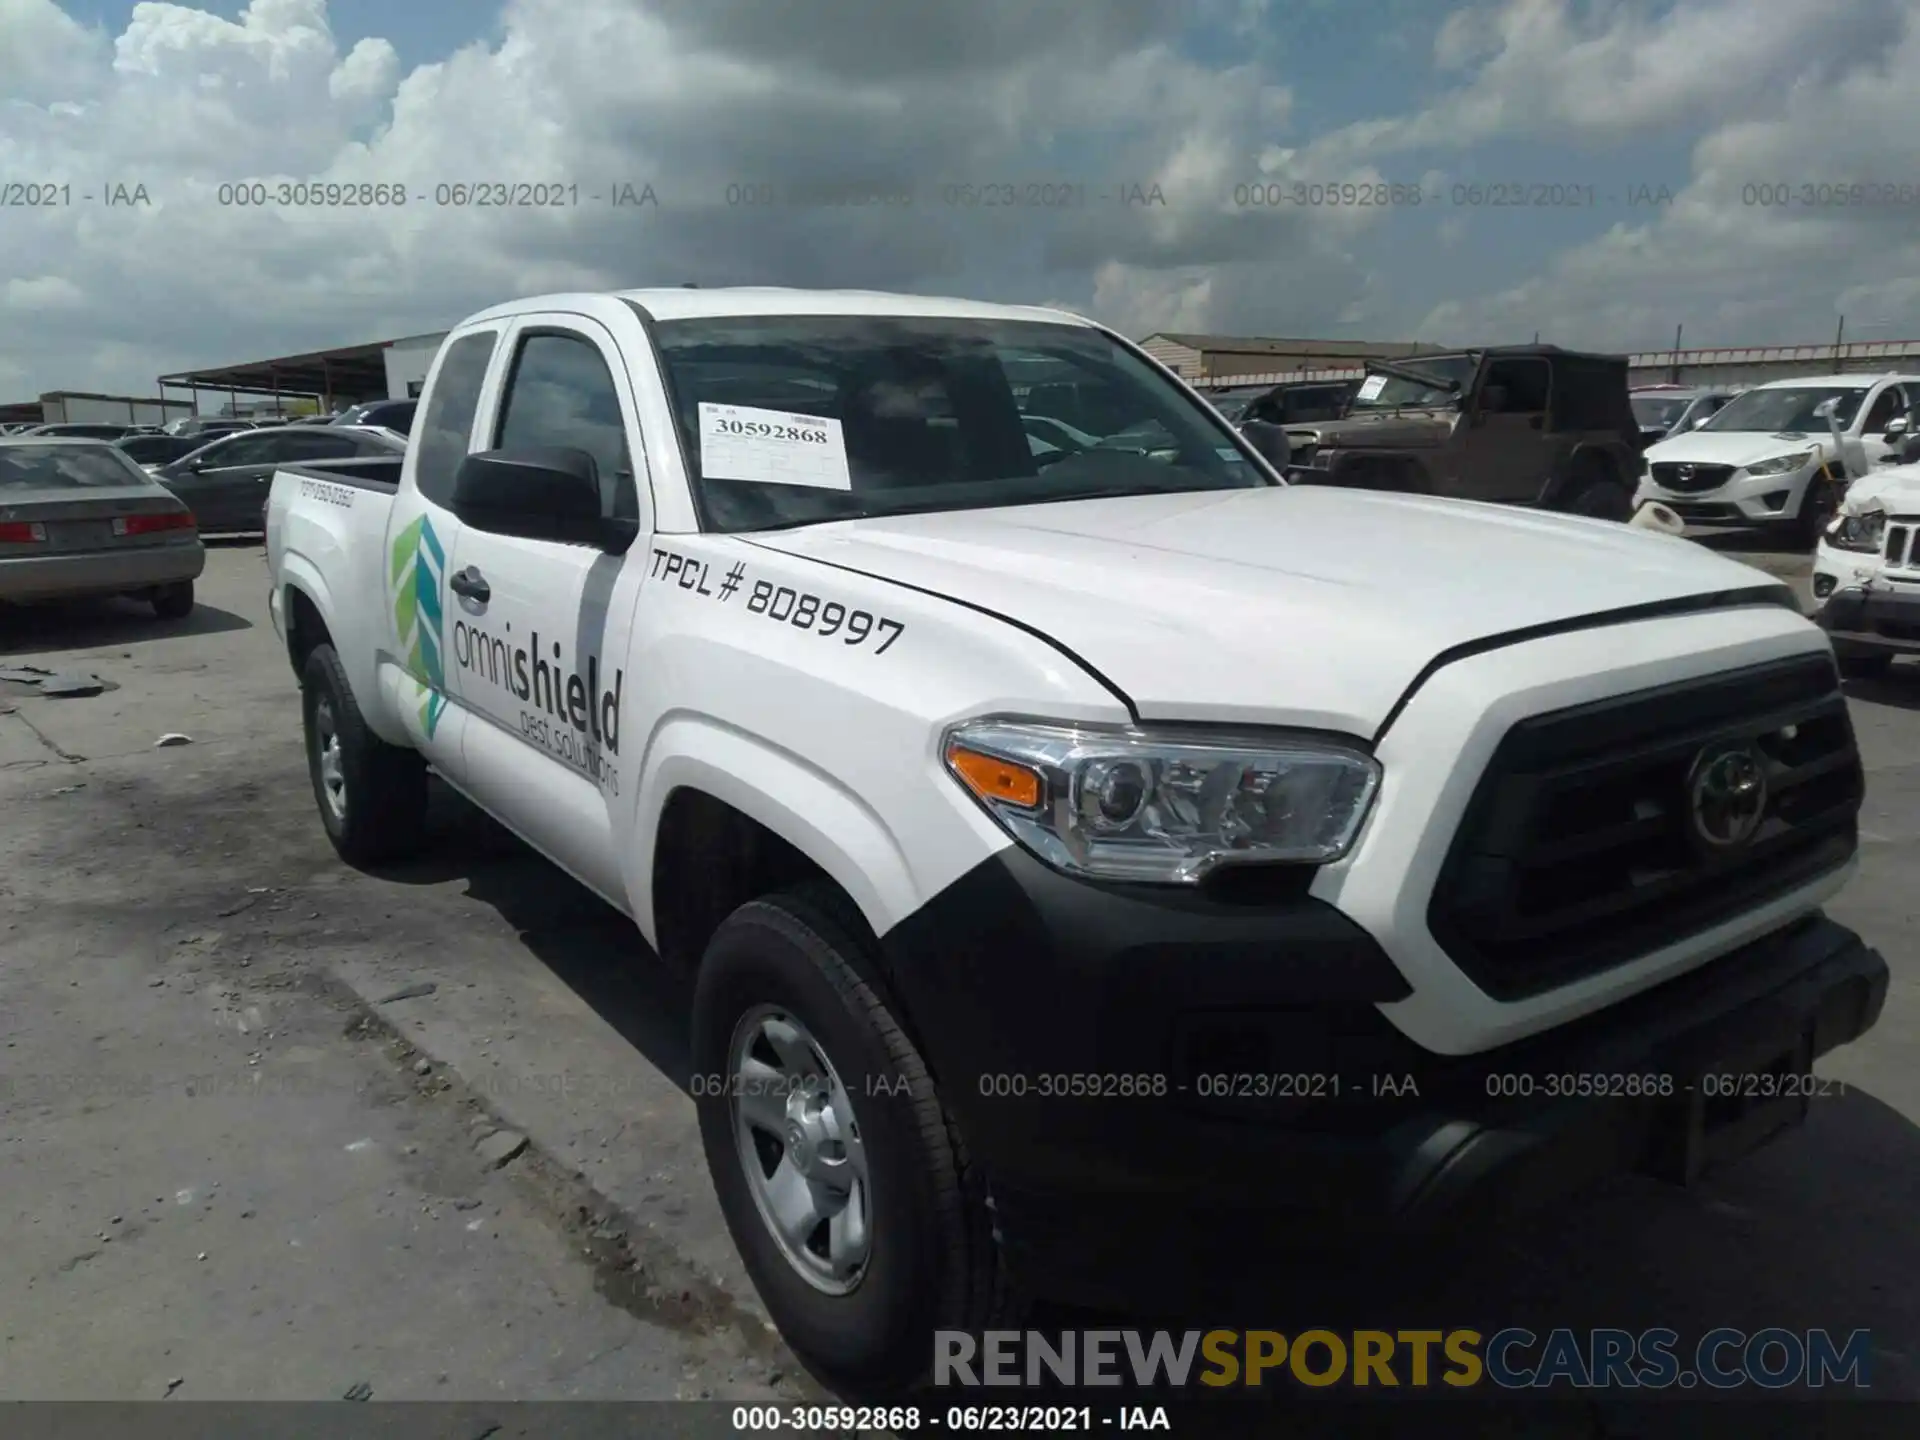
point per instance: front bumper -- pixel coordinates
(1856, 618)
(1742, 500)
(100, 572)
(1082, 1036)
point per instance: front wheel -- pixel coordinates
(372, 795)
(843, 1180)
(1819, 502)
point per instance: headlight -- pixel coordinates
(1161, 807)
(1859, 532)
(1780, 464)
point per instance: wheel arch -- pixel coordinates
(1585, 462)
(723, 817)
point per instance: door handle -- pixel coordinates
(471, 584)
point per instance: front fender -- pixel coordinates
(810, 810)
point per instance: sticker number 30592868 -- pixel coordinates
(823, 617)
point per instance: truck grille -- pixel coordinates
(1691, 479)
(1895, 548)
(1580, 848)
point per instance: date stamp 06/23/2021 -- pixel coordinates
(1312, 1086)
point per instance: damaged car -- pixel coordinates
(1866, 569)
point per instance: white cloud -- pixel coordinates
(1762, 241)
(695, 96)
(44, 292)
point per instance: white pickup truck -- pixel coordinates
(1080, 846)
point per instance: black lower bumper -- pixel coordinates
(1119, 1056)
(1872, 619)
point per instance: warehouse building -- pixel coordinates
(70, 407)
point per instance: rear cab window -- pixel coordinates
(445, 431)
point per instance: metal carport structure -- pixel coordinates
(332, 378)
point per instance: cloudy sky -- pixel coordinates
(1674, 163)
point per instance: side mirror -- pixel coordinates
(1896, 427)
(548, 494)
(1270, 441)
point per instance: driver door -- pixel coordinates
(1504, 454)
(542, 628)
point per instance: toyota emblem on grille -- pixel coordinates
(1727, 795)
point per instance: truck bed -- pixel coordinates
(326, 531)
(372, 472)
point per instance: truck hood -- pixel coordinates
(1398, 429)
(1894, 489)
(1735, 447)
(1304, 605)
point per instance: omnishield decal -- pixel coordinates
(416, 573)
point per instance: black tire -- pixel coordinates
(173, 602)
(934, 1263)
(1818, 503)
(384, 811)
(1863, 664)
(1600, 496)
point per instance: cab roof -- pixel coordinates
(1855, 380)
(681, 303)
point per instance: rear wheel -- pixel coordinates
(372, 795)
(1599, 495)
(173, 602)
(843, 1180)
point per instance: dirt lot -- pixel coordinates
(261, 1116)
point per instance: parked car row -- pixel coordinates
(1781, 455)
(1555, 429)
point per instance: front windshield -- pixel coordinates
(66, 467)
(1381, 391)
(1658, 412)
(1788, 410)
(793, 420)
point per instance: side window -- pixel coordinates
(247, 450)
(374, 445)
(446, 425)
(561, 393)
(1526, 383)
(1887, 406)
(314, 445)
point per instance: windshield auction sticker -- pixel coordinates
(1371, 387)
(771, 447)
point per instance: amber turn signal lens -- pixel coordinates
(992, 778)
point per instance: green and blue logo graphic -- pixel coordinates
(419, 565)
